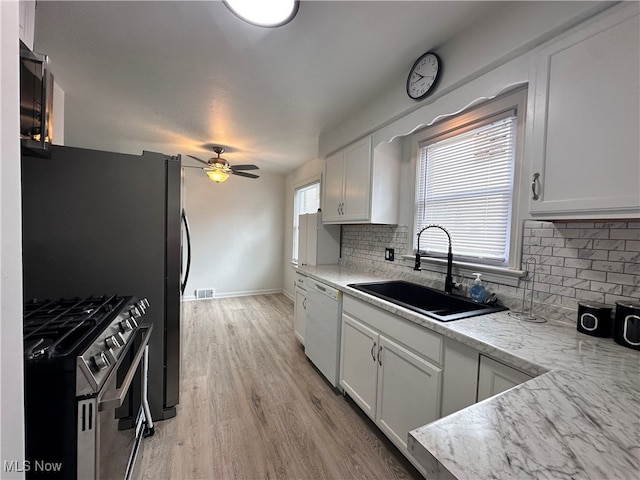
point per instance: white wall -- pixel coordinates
(11, 396)
(481, 63)
(236, 233)
(495, 40)
(309, 170)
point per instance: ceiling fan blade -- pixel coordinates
(243, 174)
(198, 159)
(244, 167)
(193, 166)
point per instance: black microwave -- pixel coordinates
(36, 102)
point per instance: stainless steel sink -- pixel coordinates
(435, 304)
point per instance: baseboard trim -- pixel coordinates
(289, 296)
(245, 293)
(248, 293)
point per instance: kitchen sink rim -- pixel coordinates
(481, 309)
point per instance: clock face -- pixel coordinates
(423, 76)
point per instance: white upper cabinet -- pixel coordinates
(362, 184)
(585, 153)
(27, 21)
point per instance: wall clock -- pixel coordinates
(423, 76)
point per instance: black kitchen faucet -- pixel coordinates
(449, 285)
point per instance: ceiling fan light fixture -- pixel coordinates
(217, 175)
(264, 13)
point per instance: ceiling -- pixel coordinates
(179, 77)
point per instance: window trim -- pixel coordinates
(461, 130)
(297, 186)
(509, 275)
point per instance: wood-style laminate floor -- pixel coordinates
(253, 407)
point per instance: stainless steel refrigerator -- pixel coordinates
(101, 223)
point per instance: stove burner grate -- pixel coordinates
(56, 328)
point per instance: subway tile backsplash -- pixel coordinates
(575, 261)
(592, 261)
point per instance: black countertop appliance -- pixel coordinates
(102, 223)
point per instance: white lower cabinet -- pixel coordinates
(460, 382)
(408, 391)
(300, 308)
(358, 363)
(495, 377)
(404, 376)
(382, 372)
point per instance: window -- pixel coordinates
(306, 200)
(465, 182)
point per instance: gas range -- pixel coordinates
(86, 363)
(88, 334)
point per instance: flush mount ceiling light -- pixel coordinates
(264, 13)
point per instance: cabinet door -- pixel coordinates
(358, 365)
(300, 314)
(460, 376)
(495, 377)
(333, 187)
(408, 391)
(27, 18)
(357, 181)
(585, 139)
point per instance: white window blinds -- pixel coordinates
(465, 184)
(308, 199)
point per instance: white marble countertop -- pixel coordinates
(579, 418)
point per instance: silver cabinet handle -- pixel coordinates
(373, 348)
(535, 183)
(304, 303)
(380, 355)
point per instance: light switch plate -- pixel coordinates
(389, 254)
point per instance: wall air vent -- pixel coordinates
(205, 293)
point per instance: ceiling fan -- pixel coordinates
(218, 169)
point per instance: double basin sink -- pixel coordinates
(435, 304)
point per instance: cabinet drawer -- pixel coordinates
(301, 281)
(422, 341)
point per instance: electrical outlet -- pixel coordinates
(389, 254)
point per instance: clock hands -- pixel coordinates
(421, 77)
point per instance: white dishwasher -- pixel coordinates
(322, 331)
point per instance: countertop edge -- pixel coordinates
(548, 377)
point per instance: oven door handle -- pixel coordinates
(115, 398)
